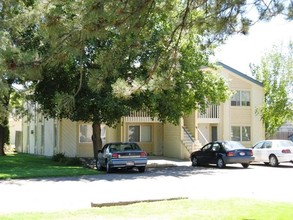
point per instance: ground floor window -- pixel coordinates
(140, 133)
(240, 133)
(85, 133)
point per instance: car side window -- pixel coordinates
(113, 148)
(268, 144)
(104, 149)
(208, 147)
(216, 147)
(259, 145)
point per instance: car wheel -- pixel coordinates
(108, 168)
(220, 163)
(194, 162)
(245, 165)
(141, 169)
(273, 161)
(98, 165)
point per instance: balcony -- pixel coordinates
(212, 115)
(139, 116)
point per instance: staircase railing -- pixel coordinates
(188, 140)
(188, 134)
(206, 141)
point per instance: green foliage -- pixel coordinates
(74, 161)
(276, 73)
(95, 60)
(69, 161)
(59, 157)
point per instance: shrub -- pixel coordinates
(59, 157)
(75, 161)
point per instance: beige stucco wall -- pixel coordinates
(68, 138)
(173, 146)
(14, 126)
(190, 123)
(48, 148)
(113, 134)
(242, 116)
(258, 128)
(157, 139)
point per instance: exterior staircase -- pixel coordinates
(189, 142)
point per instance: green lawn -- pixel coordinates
(18, 165)
(230, 209)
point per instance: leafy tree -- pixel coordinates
(276, 73)
(9, 93)
(121, 55)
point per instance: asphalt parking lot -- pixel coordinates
(161, 182)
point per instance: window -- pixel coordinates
(85, 133)
(140, 133)
(235, 133)
(207, 147)
(241, 98)
(241, 133)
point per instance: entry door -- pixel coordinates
(214, 133)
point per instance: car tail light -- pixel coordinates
(114, 155)
(250, 153)
(230, 154)
(286, 151)
(143, 154)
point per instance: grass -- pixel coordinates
(228, 209)
(19, 166)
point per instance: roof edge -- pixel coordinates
(240, 74)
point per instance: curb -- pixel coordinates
(121, 203)
(157, 165)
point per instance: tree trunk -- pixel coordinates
(4, 124)
(96, 138)
(3, 136)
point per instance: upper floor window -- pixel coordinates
(241, 98)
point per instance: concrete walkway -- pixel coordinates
(160, 161)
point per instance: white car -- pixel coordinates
(273, 152)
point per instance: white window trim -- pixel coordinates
(241, 127)
(240, 101)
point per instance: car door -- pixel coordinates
(205, 154)
(258, 151)
(266, 151)
(102, 155)
(213, 154)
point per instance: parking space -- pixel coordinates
(208, 182)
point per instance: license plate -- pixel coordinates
(242, 153)
(129, 163)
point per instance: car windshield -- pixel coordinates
(284, 143)
(232, 145)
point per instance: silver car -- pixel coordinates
(273, 152)
(118, 155)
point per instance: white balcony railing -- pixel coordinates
(140, 116)
(212, 112)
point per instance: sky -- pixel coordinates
(241, 50)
